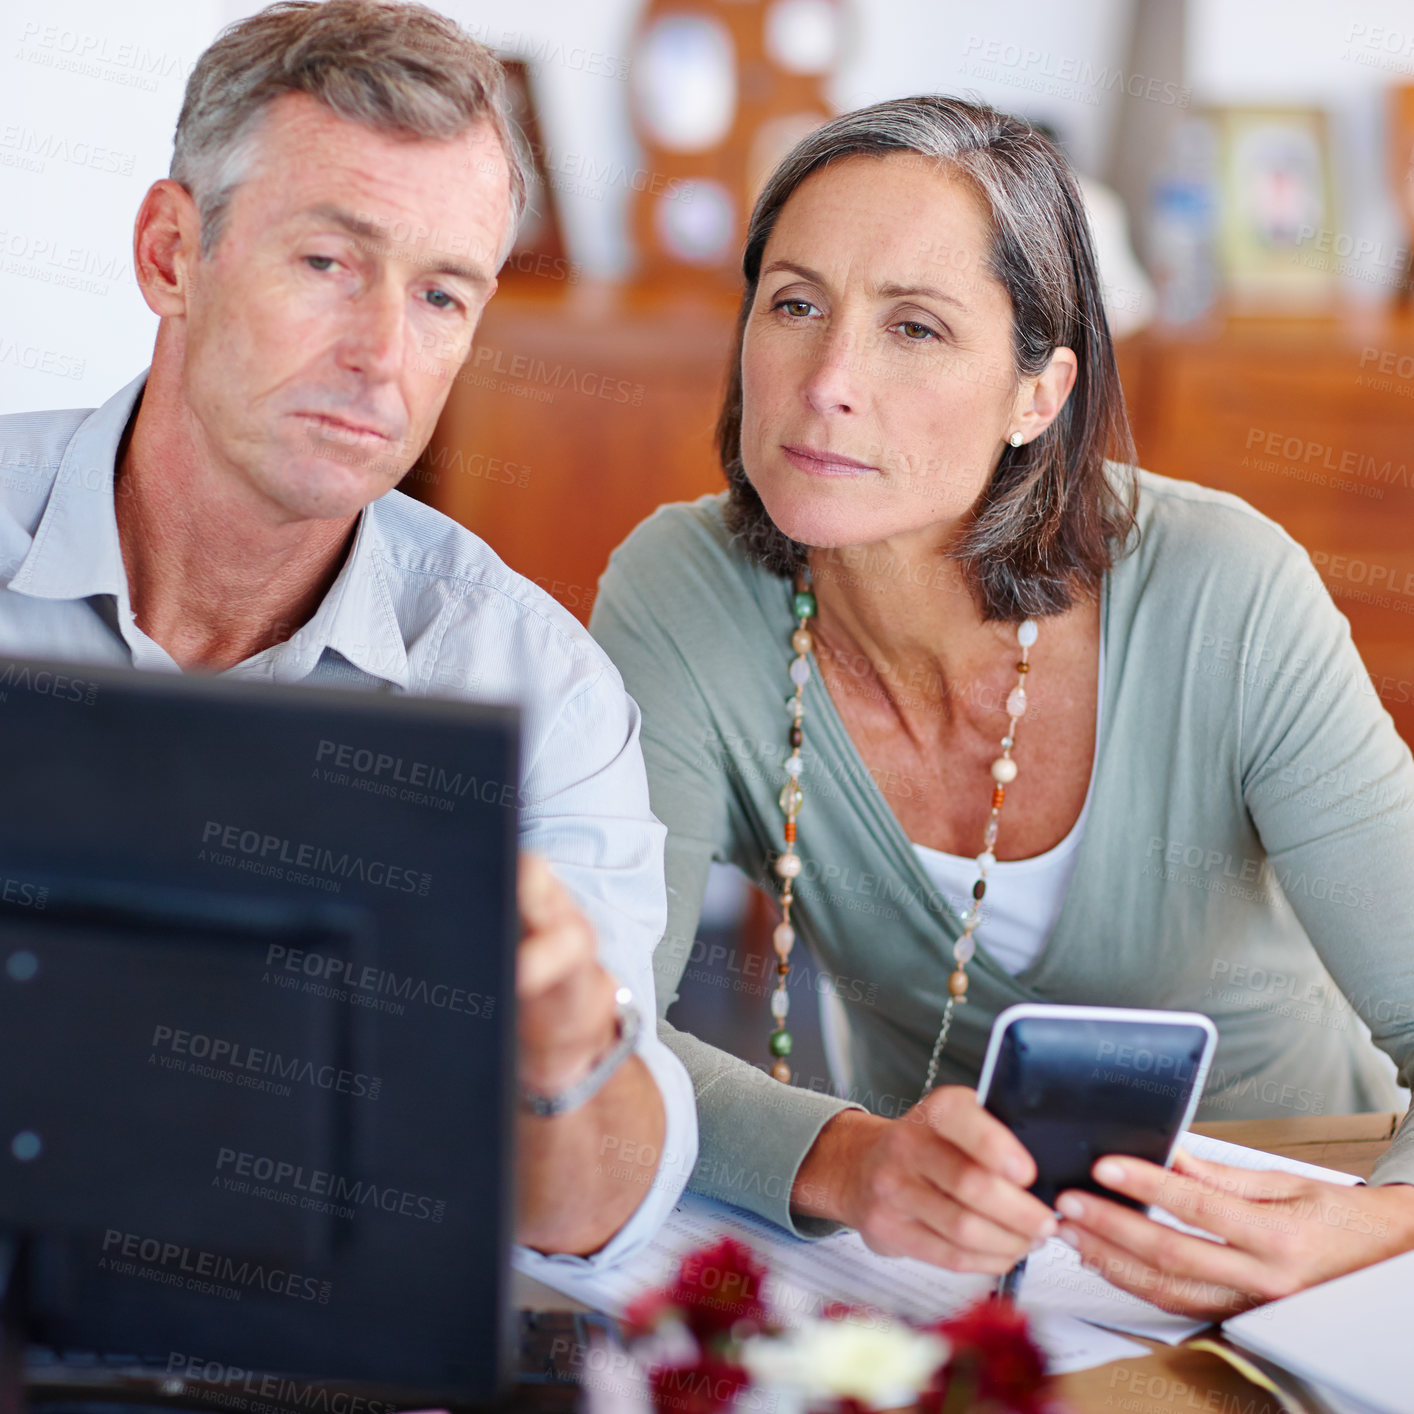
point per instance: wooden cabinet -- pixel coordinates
(1312, 422)
(583, 408)
(577, 414)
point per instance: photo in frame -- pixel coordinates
(1277, 232)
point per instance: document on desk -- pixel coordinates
(1056, 1280)
(1219, 1151)
(1057, 1291)
(807, 1275)
(1350, 1335)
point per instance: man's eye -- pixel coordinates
(319, 262)
(440, 299)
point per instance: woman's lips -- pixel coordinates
(818, 462)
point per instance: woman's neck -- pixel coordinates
(904, 624)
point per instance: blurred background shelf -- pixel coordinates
(584, 407)
(1297, 417)
(580, 412)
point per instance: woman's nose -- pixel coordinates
(832, 383)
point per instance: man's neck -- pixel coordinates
(214, 577)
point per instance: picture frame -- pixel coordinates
(1278, 243)
(540, 248)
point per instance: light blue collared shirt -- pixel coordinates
(421, 606)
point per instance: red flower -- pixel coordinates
(994, 1354)
(716, 1287)
(643, 1313)
(703, 1388)
(721, 1285)
(716, 1294)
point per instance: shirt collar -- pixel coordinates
(75, 551)
(355, 619)
(76, 554)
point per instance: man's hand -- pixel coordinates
(566, 998)
(945, 1183)
(580, 1175)
(1281, 1233)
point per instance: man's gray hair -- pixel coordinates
(394, 67)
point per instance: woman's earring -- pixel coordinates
(1015, 439)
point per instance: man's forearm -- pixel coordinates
(583, 1175)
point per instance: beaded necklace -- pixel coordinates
(789, 863)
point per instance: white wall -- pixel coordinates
(1061, 62)
(89, 95)
(90, 91)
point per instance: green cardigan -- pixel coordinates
(1249, 838)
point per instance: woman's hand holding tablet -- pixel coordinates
(1281, 1232)
(1099, 1096)
(944, 1183)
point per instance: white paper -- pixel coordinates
(1351, 1334)
(807, 1275)
(1058, 1293)
(1055, 1281)
(1219, 1151)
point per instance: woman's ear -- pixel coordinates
(1042, 397)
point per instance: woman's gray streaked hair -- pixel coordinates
(1052, 518)
(395, 68)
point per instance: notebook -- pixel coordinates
(1350, 1335)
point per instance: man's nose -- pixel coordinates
(375, 339)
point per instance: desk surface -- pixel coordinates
(1170, 1378)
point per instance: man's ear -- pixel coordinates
(1042, 398)
(166, 244)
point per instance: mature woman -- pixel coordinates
(1003, 721)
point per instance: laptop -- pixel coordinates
(257, 1023)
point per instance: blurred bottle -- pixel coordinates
(1183, 219)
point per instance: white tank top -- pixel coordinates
(1024, 896)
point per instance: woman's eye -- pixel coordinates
(319, 262)
(915, 332)
(796, 308)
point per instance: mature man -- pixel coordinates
(344, 188)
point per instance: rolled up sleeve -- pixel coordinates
(586, 812)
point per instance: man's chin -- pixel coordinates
(332, 487)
